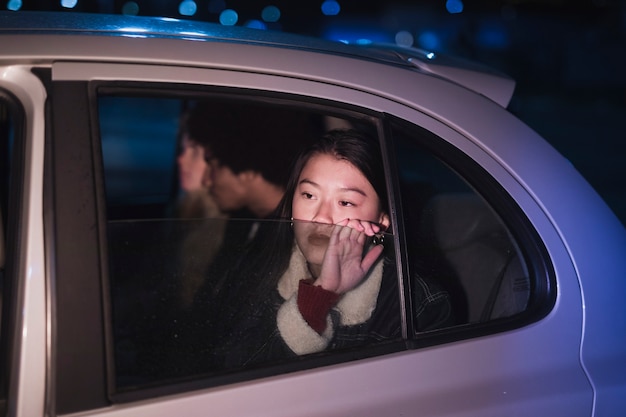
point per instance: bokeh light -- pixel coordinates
(330, 8)
(229, 17)
(130, 8)
(187, 8)
(69, 4)
(429, 40)
(404, 38)
(14, 5)
(454, 6)
(255, 24)
(492, 36)
(270, 14)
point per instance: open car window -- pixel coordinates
(203, 285)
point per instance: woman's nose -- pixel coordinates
(323, 214)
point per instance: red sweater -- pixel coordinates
(314, 304)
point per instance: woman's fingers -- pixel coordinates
(371, 256)
(364, 226)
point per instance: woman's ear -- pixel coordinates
(384, 221)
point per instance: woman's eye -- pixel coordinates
(307, 195)
(346, 203)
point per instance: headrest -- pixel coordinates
(454, 220)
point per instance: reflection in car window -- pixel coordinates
(454, 234)
(205, 293)
(138, 143)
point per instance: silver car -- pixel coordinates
(100, 271)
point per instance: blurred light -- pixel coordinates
(229, 17)
(187, 8)
(454, 6)
(193, 34)
(14, 5)
(491, 36)
(431, 55)
(130, 8)
(270, 14)
(133, 30)
(255, 24)
(365, 34)
(69, 4)
(404, 38)
(216, 6)
(429, 40)
(330, 8)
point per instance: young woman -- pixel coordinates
(318, 280)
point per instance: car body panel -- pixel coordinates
(479, 78)
(29, 379)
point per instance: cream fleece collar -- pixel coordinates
(355, 307)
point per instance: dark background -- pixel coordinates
(568, 57)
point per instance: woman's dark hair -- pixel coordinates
(274, 247)
(349, 145)
(252, 136)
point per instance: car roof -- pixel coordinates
(473, 76)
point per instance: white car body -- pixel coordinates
(571, 362)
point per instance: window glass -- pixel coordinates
(6, 140)
(218, 237)
(8, 126)
(139, 143)
(455, 236)
(215, 248)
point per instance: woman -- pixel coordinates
(319, 282)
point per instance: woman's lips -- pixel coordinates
(318, 239)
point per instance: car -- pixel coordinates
(529, 255)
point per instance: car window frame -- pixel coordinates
(540, 269)
(13, 288)
(102, 393)
(198, 91)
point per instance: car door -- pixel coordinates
(523, 362)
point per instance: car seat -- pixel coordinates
(466, 235)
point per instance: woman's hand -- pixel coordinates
(344, 265)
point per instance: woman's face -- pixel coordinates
(191, 165)
(330, 190)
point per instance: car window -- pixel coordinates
(5, 139)
(189, 255)
(194, 235)
(10, 118)
(454, 233)
(139, 143)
